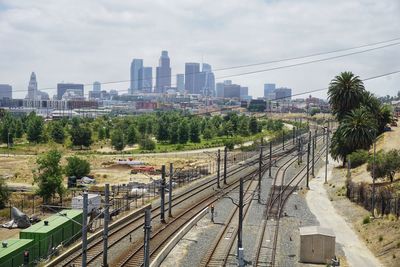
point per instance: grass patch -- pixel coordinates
(366, 220)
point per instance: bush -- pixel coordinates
(366, 219)
(229, 143)
(147, 144)
(4, 193)
(380, 238)
(358, 158)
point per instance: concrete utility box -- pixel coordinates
(94, 202)
(317, 244)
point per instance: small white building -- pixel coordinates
(317, 244)
(94, 202)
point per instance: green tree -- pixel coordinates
(101, 133)
(57, 132)
(194, 131)
(174, 133)
(77, 167)
(19, 128)
(183, 132)
(339, 148)
(244, 126)
(35, 129)
(49, 176)
(4, 193)
(81, 136)
(132, 135)
(253, 125)
(117, 139)
(346, 92)
(162, 130)
(386, 164)
(147, 144)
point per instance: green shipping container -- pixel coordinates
(61, 228)
(13, 254)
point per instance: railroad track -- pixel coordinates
(124, 230)
(219, 251)
(279, 194)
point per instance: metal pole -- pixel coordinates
(373, 179)
(260, 174)
(270, 159)
(294, 135)
(218, 168)
(162, 205)
(308, 164)
(326, 155)
(313, 156)
(171, 173)
(106, 220)
(147, 231)
(348, 167)
(240, 216)
(225, 162)
(283, 139)
(84, 228)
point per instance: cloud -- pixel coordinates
(84, 41)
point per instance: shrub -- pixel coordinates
(358, 157)
(366, 219)
(229, 143)
(380, 238)
(147, 144)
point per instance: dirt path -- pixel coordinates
(356, 252)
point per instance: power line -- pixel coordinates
(266, 62)
(326, 88)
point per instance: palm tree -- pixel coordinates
(359, 129)
(346, 92)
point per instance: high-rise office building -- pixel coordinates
(33, 92)
(5, 91)
(180, 82)
(136, 65)
(283, 94)
(244, 91)
(77, 89)
(96, 86)
(220, 89)
(32, 87)
(207, 80)
(163, 73)
(146, 79)
(269, 89)
(192, 79)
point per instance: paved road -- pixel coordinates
(356, 252)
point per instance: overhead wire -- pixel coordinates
(265, 63)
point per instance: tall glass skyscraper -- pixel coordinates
(136, 65)
(192, 71)
(163, 73)
(146, 79)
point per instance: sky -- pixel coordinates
(82, 41)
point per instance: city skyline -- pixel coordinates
(84, 61)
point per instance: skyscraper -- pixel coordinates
(146, 79)
(207, 80)
(136, 65)
(96, 86)
(283, 94)
(32, 87)
(269, 89)
(192, 71)
(163, 73)
(5, 91)
(180, 82)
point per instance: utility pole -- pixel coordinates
(260, 174)
(106, 221)
(270, 159)
(162, 206)
(308, 164)
(225, 162)
(283, 139)
(313, 155)
(147, 231)
(171, 174)
(240, 246)
(373, 179)
(294, 135)
(218, 168)
(84, 228)
(327, 154)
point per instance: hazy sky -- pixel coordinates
(86, 40)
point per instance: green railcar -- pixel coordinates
(15, 252)
(61, 228)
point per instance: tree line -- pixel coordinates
(361, 115)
